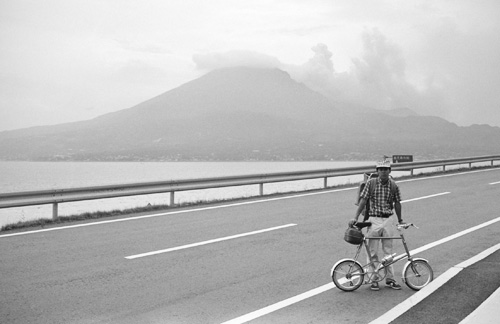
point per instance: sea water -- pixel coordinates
(33, 176)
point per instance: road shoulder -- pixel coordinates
(454, 295)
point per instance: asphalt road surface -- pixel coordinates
(262, 260)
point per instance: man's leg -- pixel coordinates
(389, 279)
(387, 249)
(373, 247)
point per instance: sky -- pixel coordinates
(72, 60)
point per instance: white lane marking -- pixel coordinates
(446, 175)
(282, 304)
(425, 197)
(454, 236)
(176, 212)
(187, 211)
(431, 287)
(182, 247)
(417, 297)
(489, 307)
(287, 302)
(494, 183)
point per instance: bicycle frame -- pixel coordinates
(350, 274)
(372, 264)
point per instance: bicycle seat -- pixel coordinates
(361, 225)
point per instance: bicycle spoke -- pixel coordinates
(418, 274)
(347, 275)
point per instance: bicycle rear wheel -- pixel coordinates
(347, 275)
(417, 274)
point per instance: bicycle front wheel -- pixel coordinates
(347, 275)
(417, 274)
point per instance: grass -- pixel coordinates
(150, 208)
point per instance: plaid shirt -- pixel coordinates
(381, 201)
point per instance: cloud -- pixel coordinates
(235, 58)
(318, 72)
(142, 47)
(377, 79)
(448, 73)
(464, 64)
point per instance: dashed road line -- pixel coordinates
(182, 247)
(426, 197)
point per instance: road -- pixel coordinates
(265, 260)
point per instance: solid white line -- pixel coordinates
(182, 247)
(454, 236)
(223, 206)
(478, 257)
(490, 306)
(176, 212)
(287, 302)
(189, 211)
(446, 175)
(494, 183)
(431, 287)
(417, 297)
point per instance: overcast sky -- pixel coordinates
(69, 60)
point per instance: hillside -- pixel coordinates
(247, 114)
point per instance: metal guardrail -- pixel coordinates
(57, 196)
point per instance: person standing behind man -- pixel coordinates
(383, 197)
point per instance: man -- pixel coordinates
(383, 194)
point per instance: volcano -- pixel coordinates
(247, 114)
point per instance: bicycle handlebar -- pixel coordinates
(406, 225)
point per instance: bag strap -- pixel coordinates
(372, 184)
(393, 192)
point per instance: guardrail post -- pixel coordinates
(444, 167)
(55, 215)
(470, 165)
(325, 183)
(172, 198)
(411, 172)
(261, 189)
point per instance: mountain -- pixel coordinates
(247, 114)
(399, 112)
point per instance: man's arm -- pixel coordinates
(361, 206)
(397, 208)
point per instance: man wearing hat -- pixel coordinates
(383, 194)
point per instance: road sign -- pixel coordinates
(402, 158)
